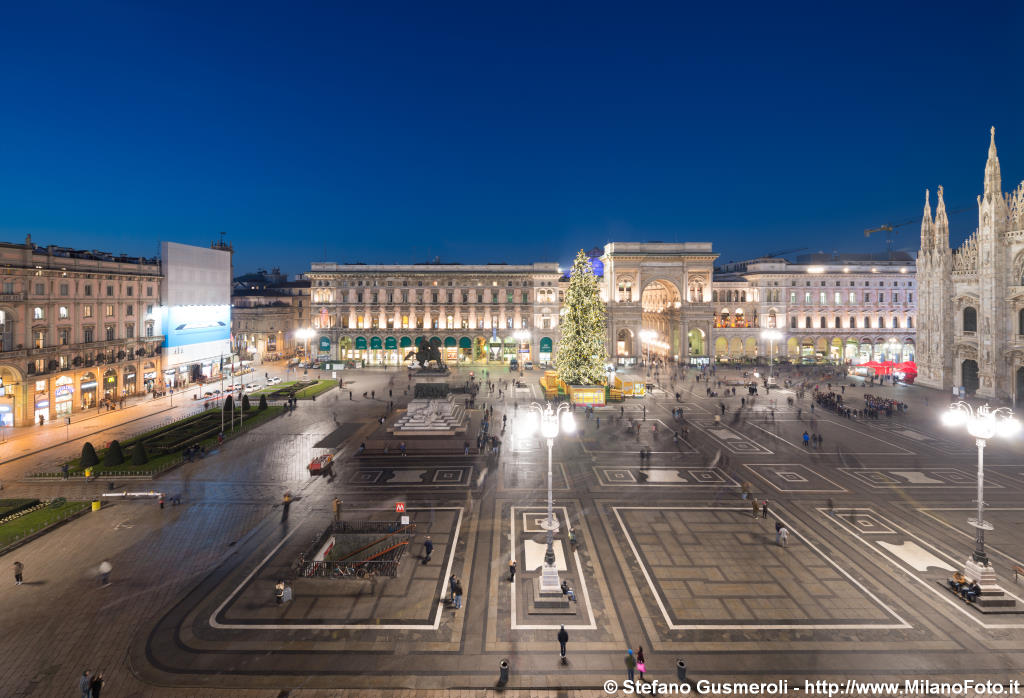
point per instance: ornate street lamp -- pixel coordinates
(772, 336)
(548, 421)
(522, 336)
(983, 424)
(648, 336)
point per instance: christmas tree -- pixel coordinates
(581, 350)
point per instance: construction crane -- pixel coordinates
(890, 230)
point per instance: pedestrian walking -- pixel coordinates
(428, 549)
(563, 638)
(350, 395)
(336, 506)
(373, 394)
(18, 570)
(512, 571)
(782, 538)
(820, 440)
(641, 664)
(458, 594)
(831, 506)
(630, 665)
(105, 568)
(753, 507)
(764, 509)
(84, 684)
(807, 439)
(96, 685)
(286, 503)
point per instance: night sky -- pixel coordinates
(392, 133)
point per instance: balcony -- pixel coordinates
(13, 297)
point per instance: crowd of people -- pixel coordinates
(874, 406)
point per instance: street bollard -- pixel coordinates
(503, 672)
(681, 670)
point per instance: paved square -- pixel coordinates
(717, 567)
(793, 477)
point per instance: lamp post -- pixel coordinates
(772, 336)
(646, 337)
(549, 419)
(306, 334)
(522, 336)
(983, 424)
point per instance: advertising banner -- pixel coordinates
(196, 324)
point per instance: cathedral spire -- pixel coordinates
(941, 224)
(926, 224)
(993, 177)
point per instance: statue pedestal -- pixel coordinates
(992, 595)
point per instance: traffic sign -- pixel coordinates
(399, 507)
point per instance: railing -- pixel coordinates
(359, 570)
(364, 527)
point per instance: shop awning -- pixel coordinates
(465, 343)
(376, 343)
(405, 342)
(360, 342)
(390, 343)
(545, 344)
(450, 341)
(418, 342)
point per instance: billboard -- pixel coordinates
(195, 324)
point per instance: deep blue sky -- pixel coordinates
(391, 132)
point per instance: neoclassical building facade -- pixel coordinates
(476, 313)
(659, 300)
(821, 308)
(972, 298)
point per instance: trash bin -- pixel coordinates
(96, 505)
(681, 670)
(503, 672)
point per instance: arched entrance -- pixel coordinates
(1018, 393)
(661, 303)
(721, 347)
(9, 378)
(969, 375)
(624, 343)
(696, 339)
(908, 350)
(87, 390)
(110, 384)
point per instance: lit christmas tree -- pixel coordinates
(581, 350)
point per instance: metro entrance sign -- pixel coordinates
(399, 507)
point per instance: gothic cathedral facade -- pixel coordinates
(971, 300)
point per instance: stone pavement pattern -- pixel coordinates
(707, 561)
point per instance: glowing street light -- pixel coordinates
(647, 337)
(522, 336)
(306, 333)
(547, 421)
(772, 336)
(983, 424)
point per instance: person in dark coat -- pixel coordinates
(428, 549)
(563, 637)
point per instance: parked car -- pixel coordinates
(528, 365)
(252, 387)
(273, 380)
